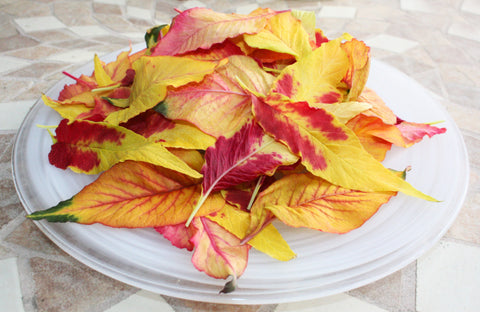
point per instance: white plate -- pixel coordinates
(326, 264)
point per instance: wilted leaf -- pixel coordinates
(89, 147)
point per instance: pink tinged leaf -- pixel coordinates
(200, 28)
(245, 156)
(218, 252)
(218, 105)
(414, 132)
(179, 235)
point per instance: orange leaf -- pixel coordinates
(134, 195)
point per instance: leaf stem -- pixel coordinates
(255, 192)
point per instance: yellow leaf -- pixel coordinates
(68, 111)
(268, 241)
(283, 34)
(101, 76)
(153, 76)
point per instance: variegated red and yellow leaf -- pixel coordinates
(177, 134)
(328, 148)
(133, 195)
(91, 147)
(314, 78)
(200, 28)
(218, 106)
(247, 155)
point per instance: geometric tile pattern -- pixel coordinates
(436, 43)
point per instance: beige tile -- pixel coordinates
(143, 301)
(139, 13)
(37, 70)
(40, 23)
(391, 43)
(89, 31)
(62, 286)
(7, 29)
(337, 303)
(10, 293)
(28, 236)
(18, 8)
(448, 278)
(105, 8)
(192, 4)
(16, 42)
(395, 292)
(331, 11)
(11, 63)
(467, 225)
(246, 8)
(74, 13)
(471, 6)
(13, 113)
(35, 53)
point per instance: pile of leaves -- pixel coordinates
(223, 124)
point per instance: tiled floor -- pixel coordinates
(436, 43)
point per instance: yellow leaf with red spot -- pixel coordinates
(315, 78)
(133, 195)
